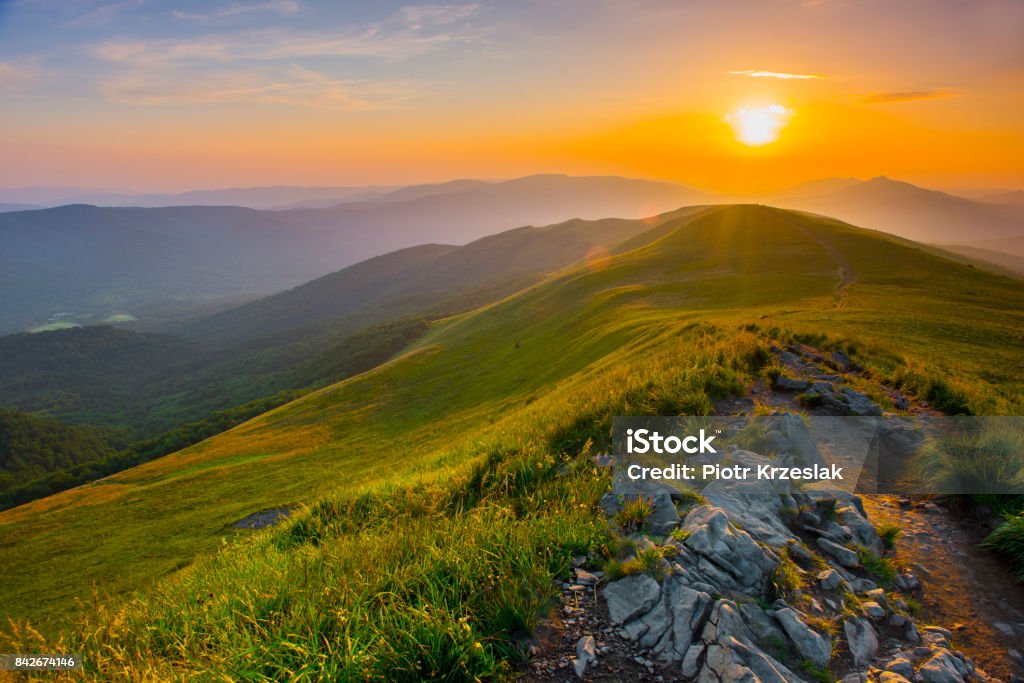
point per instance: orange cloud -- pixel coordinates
(904, 96)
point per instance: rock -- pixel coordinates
(862, 586)
(860, 529)
(586, 578)
(727, 557)
(800, 553)
(861, 639)
(784, 383)
(877, 595)
(1005, 629)
(901, 666)
(586, 652)
(764, 629)
(808, 518)
(936, 635)
(855, 677)
(693, 660)
(805, 450)
(689, 609)
(657, 623)
(757, 505)
(644, 543)
(732, 661)
(663, 497)
(631, 596)
(892, 677)
(789, 358)
(829, 579)
(943, 667)
(858, 403)
(906, 582)
(844, 556)
(873, 610)
(840, 361)
(809, 644)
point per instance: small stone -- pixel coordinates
(586, 652)
(829, 579)
(844, 556)
(901, 666)
(892, 677)
(1005, 629)
(585, 578)
(873, 610)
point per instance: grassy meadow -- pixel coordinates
(442, 491)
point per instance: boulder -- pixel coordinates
(804, 449)
(730, 654)
(943, 667)
(631, 596)
(810, 644)
(726, 557)
(784, 383)
(689, 609)
(861, 640)
(843, 555)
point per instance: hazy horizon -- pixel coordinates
(967, 191)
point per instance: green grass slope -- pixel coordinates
(661, 328)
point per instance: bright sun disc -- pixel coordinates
(757, 126)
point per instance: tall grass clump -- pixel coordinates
(1008, 540)
(980, 457)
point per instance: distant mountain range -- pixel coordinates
(905, 210)
(17, 207)
(81, 263)
(84, 262)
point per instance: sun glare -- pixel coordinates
(756, 126)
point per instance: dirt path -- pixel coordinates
(966, 589)
(843, 271)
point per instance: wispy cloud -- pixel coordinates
(904, 96)
(418, 16)
(775, 74)
(294, 86)
(263, 66)
(404, 35)
(13, 76)
(102, 13)
(235, 9)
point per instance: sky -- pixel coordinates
(735, 96)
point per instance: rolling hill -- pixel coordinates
(88, 262)
(908, 211)
(317, 333)
(675, 318)
(423, 280)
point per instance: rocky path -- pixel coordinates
(966, 589)
(753, 587)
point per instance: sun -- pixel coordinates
(756, 126)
